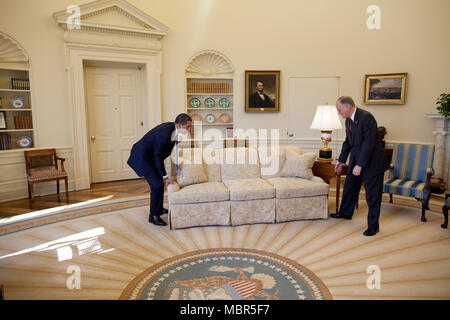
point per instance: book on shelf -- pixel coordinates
(208, 87)
(23, 122)
(20, 84)
(5, 141)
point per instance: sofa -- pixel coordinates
(236, 186)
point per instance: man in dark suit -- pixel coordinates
(147, 160)
(367, 163)
(260, 99)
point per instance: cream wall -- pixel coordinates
(315, 38)
(300, 38)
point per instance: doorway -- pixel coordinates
(114, 95)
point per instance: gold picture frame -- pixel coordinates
(269, 98)
(387, 88)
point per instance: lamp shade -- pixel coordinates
(326, 118)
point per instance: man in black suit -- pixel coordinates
(147, 160)
(260, 99)
(367, 163)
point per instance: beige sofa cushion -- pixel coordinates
(201, 192)
(212, 161)
(297, 187)
(207, 156)
(298, 165)
(273, 158)
(240, 163)
(249, 189)
(190, 174)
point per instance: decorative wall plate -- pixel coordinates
(224, 118)
(24, 142)
(210, 103)
(196, 117)
(17, 103)
(224, 103)
(210, 118)
(195, 103)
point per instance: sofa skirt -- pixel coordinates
(252, 211)
(303, 208)
(187, 215)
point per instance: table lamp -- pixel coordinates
(326, 119)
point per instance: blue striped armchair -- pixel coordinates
(412, 168)
(445, 209)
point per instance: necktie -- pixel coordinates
(351, 125)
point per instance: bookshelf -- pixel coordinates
(16, 113)
(210, 92)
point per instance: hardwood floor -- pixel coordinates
(138, 187)
(118, 189)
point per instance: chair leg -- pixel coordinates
(57, 186)
(424, 208)
(31, 191)
(445, 213)
(66, 182)
(390, 197)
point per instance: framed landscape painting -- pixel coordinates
(385, 88)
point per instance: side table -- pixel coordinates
(326, 172)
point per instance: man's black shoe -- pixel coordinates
(165, 211)
(156, 220)
(371, 232)
(340, 216)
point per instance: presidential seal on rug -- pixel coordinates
(227, 274)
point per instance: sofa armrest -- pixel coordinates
(389, 174)
(429, 173)
(173, 187)
(317, 179)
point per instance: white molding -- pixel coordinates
(209, 63)
(136, 42)
(436, 116)
(76, 54)
(150, 27)
(11, 51)
(111, 40)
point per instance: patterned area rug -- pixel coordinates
(227, 274)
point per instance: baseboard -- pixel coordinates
(19, 189)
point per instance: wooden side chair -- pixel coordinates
(42, 166)
(445, 209)
(412, 168)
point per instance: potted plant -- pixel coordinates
(443, 104)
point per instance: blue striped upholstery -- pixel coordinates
(408, 188)
(411, 164)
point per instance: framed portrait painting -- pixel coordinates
(385, 88)
(262, 91)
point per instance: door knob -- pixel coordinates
(93, 138)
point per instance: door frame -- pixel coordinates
(76, 55)
(140, 89)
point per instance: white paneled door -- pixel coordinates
(115, 112)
